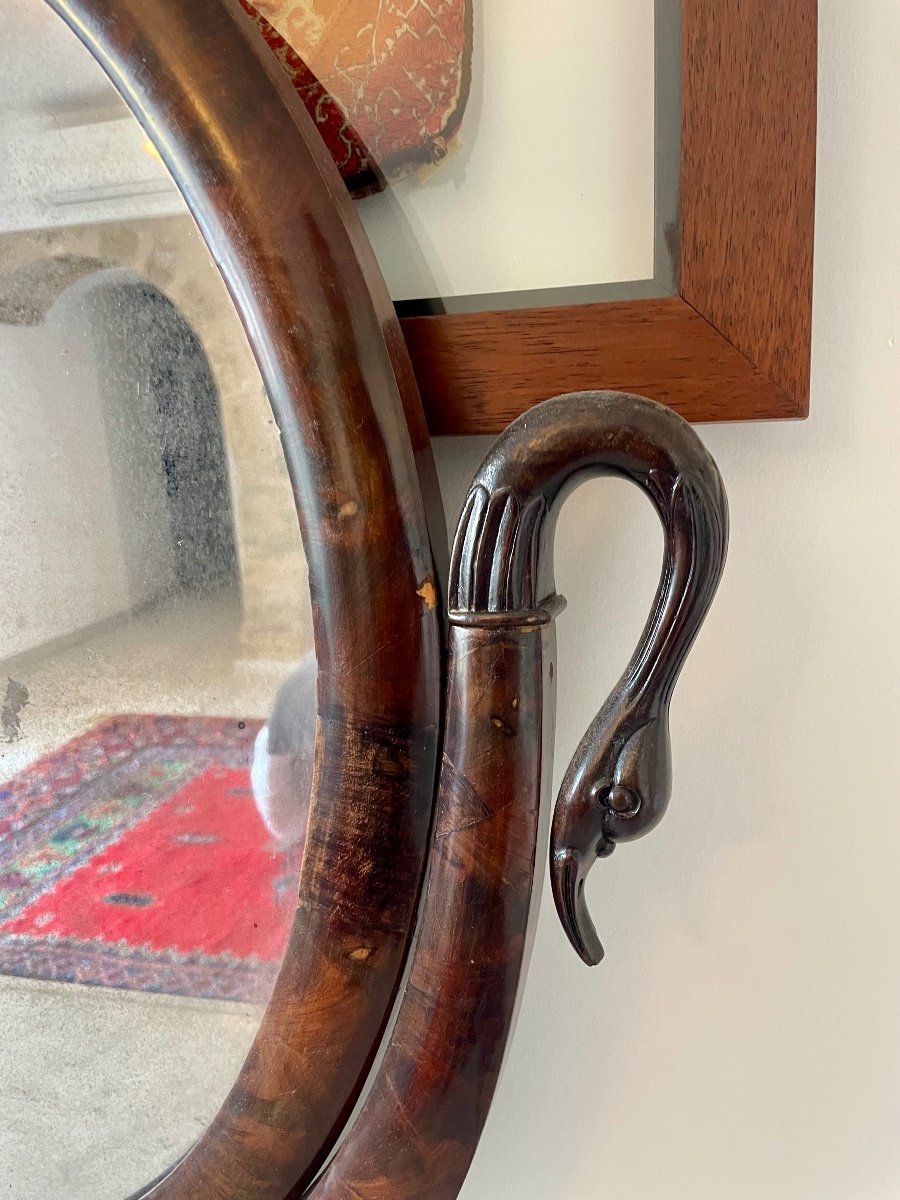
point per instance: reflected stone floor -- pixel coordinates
(191, 656)
(101, 1090)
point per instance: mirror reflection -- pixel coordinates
(157, 674)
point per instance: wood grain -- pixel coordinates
(424, 1115)
(735, 344)
(270, 204)
(748, 179)
(479, 371)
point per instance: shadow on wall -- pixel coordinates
(162, 416)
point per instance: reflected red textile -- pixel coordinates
(138, 859)
(385, 81)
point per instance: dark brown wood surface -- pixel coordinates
(734, 345)
(278, 222)
(618, 783)
(277, 219)
(419, 1127)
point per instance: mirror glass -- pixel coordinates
(157, 675)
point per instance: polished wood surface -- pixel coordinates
(479, 371)
(279, 224)
(617, 786)
(422, 1120)
(420, 1125)
(748, 176)
(734, 344)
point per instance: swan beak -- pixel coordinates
(567, 876)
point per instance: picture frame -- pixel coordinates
(729, 339)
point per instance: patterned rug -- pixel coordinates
(134, 857)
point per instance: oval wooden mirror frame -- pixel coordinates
(278, 222)
(274, 213)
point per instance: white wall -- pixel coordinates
(546, 189)
(83, 519)
(58, 529)
(741, 1041)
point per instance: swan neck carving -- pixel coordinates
(618, 783)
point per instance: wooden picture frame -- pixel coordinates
(733, 342)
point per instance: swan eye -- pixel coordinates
(623, 801)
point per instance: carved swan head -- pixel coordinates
(618, 784)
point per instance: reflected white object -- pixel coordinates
(281, 773)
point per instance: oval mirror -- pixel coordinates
(157, 668)
(160, 748)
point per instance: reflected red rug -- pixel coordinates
(134, 857)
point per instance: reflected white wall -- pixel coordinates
(66, 537)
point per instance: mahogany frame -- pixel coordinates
(270, 204)
(734, 342)
(420, 1124)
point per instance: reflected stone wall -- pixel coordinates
(37, 268)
